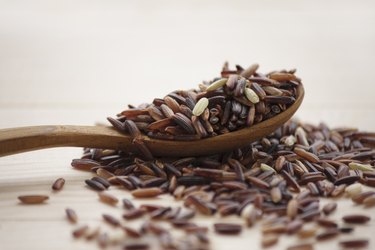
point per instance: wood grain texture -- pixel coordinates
(17, 140)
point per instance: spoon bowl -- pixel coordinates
(18, 140)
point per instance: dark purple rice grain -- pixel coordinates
(305, 246)
(80, 231)
(125, 183)
(93, 233)
(111, 220)
(117, 124)
(356, 219)
(309, 215)
(326, 223)
(269, 240)
(133, 214)
(250, 71)
(347, 180)
(58, 184)
(362, 196)
(102, 181)
(185, 110)
(130, 232)
(232, 80)
(339, 190)
(136, 181)
(227, 228)
(329, 208)
(294, 226)
(84, 164)
(200, 205)
(154, 182)
(346, 229)
(71, 215)
(127, 204)
(234, 185)
(142, 148)
(184, 122)
(313, 189)
(160, 124)
(192, 180)
(143, 118)
(158, 170)
(155, 113)
(279, 99)
(104, 172)
(147, 192)
(227, 111)
(328, 234)
(170, 168)
(159, 213)
(149, 208)
(354, 244)
(145, 169)
(167, 111)
(108, 198)
(257, 182)
(95, 185)
(132, 128)
(228, 209)
(172, 104)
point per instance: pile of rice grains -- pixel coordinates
(276, 181)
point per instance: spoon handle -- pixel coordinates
(17, 140)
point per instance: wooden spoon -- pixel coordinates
(17, 140)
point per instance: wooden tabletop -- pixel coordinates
(81, 61)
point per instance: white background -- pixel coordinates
(65, 55)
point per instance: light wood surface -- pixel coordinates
(77, 62)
